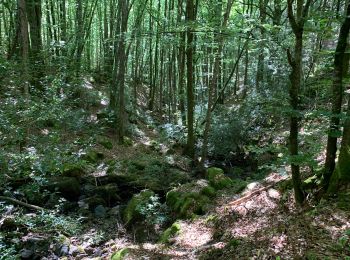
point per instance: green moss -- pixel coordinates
(170, 232)
(127, 141)
(189, 199)
(120, 255)
(310, 182)
(92, 156)
(214, 171)
(105, 142)
(132, 210)
(209, 191)
(73, 170)
(238, 185)
(217, 178)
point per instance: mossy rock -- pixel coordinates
(93, 156)
(155, 174)
(238, 185)
(132, 211)
(73, 170)
(109, 192)
(121, 254)
(190, 199)
(94, 201)
(209, 191)
(105, 142)
(69, 187)
(217, 178)
(169, 233)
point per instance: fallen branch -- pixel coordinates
(254, 193)
(21, 203)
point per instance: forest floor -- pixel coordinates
(261, 222)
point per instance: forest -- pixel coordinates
(174, 129)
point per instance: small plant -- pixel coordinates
(154, 213)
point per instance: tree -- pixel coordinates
(341, 173)
(297, 21)
(190, 18)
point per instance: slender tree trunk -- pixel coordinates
(297, 23)
(337, 100)
(190, 18)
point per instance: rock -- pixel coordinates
(69, 187)
(217, 178)
(73, 250)
(190, 199)
(64, 250)
(92, 156)
(209, 191)
(8, 224)
(73, 170)
(121, 254)
(168, 233)
(132, 210)
(155, 174)
(27, 254)
(93, 202)
(100, 211)
(115, 211)
(109, 192)
(273, 194)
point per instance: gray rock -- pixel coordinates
(100, 211)
(27, 254)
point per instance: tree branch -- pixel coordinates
(21, 203)
(291, 16)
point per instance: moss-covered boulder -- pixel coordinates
(190, 199)
(133, 210)
(92, 202)
(92, 156)
(217, 178)
(121, 254)
(109, 192)
(69, 187)
(169, 233)
(155, 173)
(73, 170)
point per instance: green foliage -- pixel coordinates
(141, 206)
(170, 232)
(217, 179)
(190, 199)
(121, 254)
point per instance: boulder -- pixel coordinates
(217, 178)
(69, 187)
(108, 192)
(92, 156)
(73, 170)
(190, 199)
(132, 211)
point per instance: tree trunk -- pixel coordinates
(297, 23)
(190, 18)
(334, 129)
